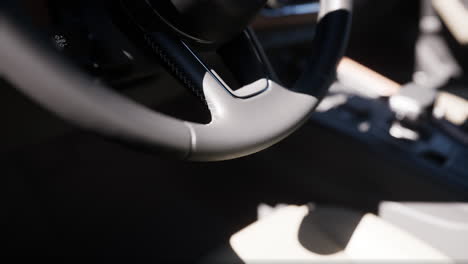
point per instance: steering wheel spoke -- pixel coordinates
(244, 126)
(243, 119)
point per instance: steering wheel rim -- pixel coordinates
(273, 113)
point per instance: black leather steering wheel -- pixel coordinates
(244, 121)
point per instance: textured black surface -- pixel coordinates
(178, 61)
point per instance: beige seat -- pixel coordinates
(312, 234)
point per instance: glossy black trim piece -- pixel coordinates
(329, 46)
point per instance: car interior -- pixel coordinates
(234, 131)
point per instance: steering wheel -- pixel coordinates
(244, 121)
